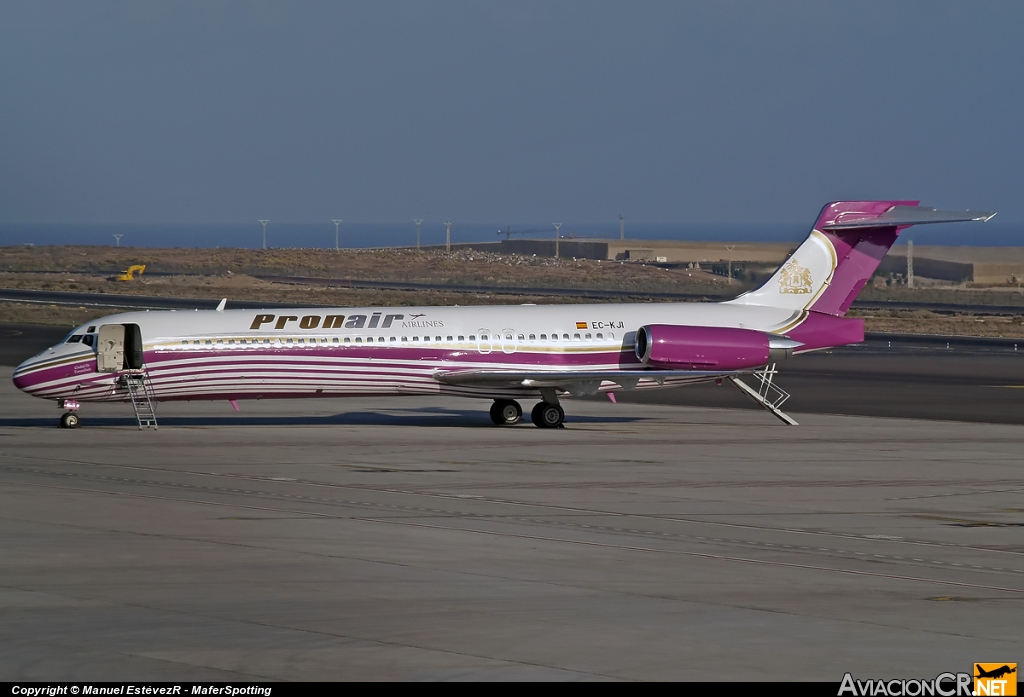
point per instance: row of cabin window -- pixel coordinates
(381, 340)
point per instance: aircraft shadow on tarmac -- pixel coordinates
(426, 417)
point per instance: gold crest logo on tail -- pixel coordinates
(795, 279)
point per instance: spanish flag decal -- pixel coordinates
(581, 325)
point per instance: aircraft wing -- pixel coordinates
(575, 381)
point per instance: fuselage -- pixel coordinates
(304, 352)
(486, 351)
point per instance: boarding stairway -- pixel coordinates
(141, 391)
(769, 395)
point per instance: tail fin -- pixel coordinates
(847, 243)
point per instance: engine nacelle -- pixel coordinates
(709, 348)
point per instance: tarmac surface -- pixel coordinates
(911, 379)
(410, 539)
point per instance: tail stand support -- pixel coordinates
(141, 391)
(769, 395)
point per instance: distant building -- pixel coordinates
(986, 265)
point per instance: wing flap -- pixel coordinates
(588, 381)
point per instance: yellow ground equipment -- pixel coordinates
(132, 273)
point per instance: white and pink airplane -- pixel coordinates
(502, 353)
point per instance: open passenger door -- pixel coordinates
(119, 347)
(110, 348)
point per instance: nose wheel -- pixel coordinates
(506, 412)
(69, 419)
(547, 415)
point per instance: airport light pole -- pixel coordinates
(448, 237)
(622, 226)
(264, 232)
(336, 224)
(418, 221)
(910, 263)
(117, 238)
(730, 247)
(557, 228)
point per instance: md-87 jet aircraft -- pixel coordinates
(501, 353)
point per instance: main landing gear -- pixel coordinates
(506, 412)
(547, 415)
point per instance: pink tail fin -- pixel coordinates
(848, 241)
(859, 251)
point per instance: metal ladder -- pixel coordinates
(770, 396)
(141, 391)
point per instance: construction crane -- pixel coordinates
(132, 273)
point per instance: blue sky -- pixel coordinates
(669, 112)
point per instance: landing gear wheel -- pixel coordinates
(69, 420)
(506, 412)
(546, 415)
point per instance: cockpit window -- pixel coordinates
(74, 339)
(88, 339)
(90, 330)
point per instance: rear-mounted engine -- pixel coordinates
(709, 348)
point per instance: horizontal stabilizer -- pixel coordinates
(900, 216)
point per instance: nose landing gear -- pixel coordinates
(506, 412)
(69, 419)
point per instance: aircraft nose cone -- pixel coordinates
(27, 375)
(21, 377)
